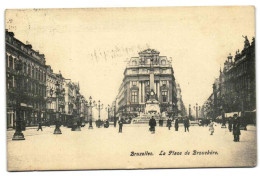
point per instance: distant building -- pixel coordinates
(180, 105)
(53, 82)
(135, 87)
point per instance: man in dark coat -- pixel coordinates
(152, 124)
(176, 125)
(230, 124)
(40, 126)
(236, 128)
(120, 122)
(169, 123)
(106, 124)
(186, 124)
(115, 120)
(90, 124)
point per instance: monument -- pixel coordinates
(152, 103)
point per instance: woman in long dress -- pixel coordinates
(211, 127)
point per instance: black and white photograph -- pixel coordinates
(130, 88)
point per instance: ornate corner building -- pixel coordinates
(135, 88)
(235, 89)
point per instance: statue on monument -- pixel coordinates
(246, 42)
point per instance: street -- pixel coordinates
(110, 149)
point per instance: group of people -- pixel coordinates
(233, 126)
(152, 124)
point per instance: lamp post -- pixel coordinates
(18, 135)
(189, 111)
(82, 111)
(49, 102)
(99, 107)
(108, 109)
(197, 112)
(91, 105)
(59, 93)
(77, 124)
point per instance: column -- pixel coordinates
(151, 80)
(143, 91)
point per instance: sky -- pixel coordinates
(92, 46)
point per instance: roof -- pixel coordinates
(149, 51)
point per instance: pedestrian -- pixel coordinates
(176, 125)
(169, 123)
(186, 124)
(115, 122)
(230, 124)
(152, 124)
(106, 124)
(236, 128)
(211, 127)
(90, 124)
(160, 122)
(39, 126)
(120, 122)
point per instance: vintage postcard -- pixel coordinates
(130, 88)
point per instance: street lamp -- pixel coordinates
(77, 123)
(197, 112)
(18, 135)
(58, 92)
(91, 105)
(108, 111)
(99, 107)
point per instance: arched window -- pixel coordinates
(163, 62)
(164, 96)
(134, 62)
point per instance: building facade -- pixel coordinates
(180, 105)
(135, 87)
(55, 92)
(235, 89)
(31, 80)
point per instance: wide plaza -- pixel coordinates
(106, 148)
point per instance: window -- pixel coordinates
(29, 70)
(25, 68)
(147, 83)
(33, 72)
(134, 71)
(7, 58)
(134, 62)
(134, 83)
(163, 62)
(164, 70)
(134, 96)
(164, 83)
(11, 62)
(164, 96)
